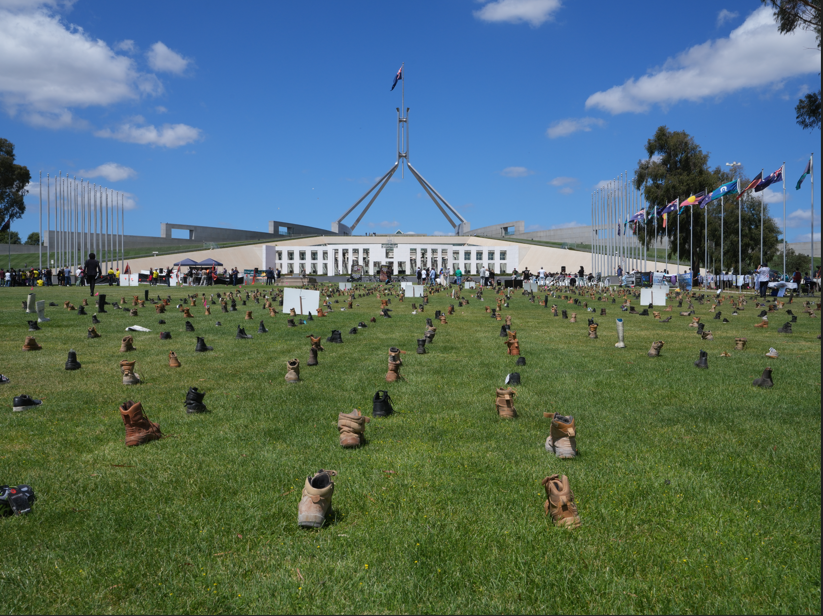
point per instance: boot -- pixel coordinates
(503, 331)
(513, 378)
(207, 311)
(224, 307)
(351, 427)
(505, 403)
(41, 312)
(421, 346)
(717, 315)
(189, 326)
(316, 499)
(248, 315)
(695, 322)
(707, 335)
(101, 304)
(562, 438)
(644, 313)
(381, 404)
(312, 357)
(573, 318)
(201, 346)
(513, 345)
(602, 312)
(565, 315)
(794, 319)
(31, 303)
(593, 330)
(353, 331)
(81, 311)
(772, 354)
(703, 361)
(620, 344)
(335, 337)
(560, 502)
(194, 401)
(92, 333)
(241, 334)
(700, 327)
(394, 365)
(763, 323)
(786, 329)
(293, 373)
(521, 361)
(173, 361)
(71, 362)
(262, 329)
(657, 346)
(290, 323)
(165, 335)
(443, 320)
(133, 312)
(656, 315)
(33, 326)
(740, 344)
(129, 377)
(764, 380)
(127, 344)
(139, 430)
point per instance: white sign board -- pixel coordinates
(302, 300)
(656, 296)
(125, 280)
(530, 286)
(412, 290)
(468, 285)
(407, 288)
(345, 286)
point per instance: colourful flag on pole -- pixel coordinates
(753, 184)
(671, 207)
(695, 198)
(725, 190)
(704, 200)
(397, 77)
(806, 172)
(127, 270)
(777, 176)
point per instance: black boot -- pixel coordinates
(436, 314)
(565, 316)
(786, 329)
(335, 337)
(189, 326)
(262, 329)
(521, 361)
(224, 308)
(101, 303)
(361, 325)
(503, 331)
(165, 335)
(794, 319)
(241, 334)
(421, 346)
(312, 357)
(429, 322)
(703, 362)
(310, 317)
(290, 323)
(700, 327)
(194, 401)
(201, 346)
(513, 379)
(381, 404)
(72, 363)
(352, 331)
(95, 320)
(33, 326)
(764, 380)
(81, 310)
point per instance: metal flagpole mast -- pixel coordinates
(783, 173)
(591, 235)
(40, 242)
(722, 210)
(762, 203)
(655, 239)
(116, 212)
(691, 241)
(94, 238)
(740, 239)
(811, 211)
(106, 242)
(48, 219)
(706, 240)
(123, 233)
(678, 236)
(57, 238)
(75, 247)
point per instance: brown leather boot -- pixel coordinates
(560, 502)
(187, 313)
(133, 312)
(656, 314)
(394, 366)
(248, 315)
(293, 373)
(695, 322)
(139, 429)
(173, 361)
(562, 437)
(292, 313)
(505, 403)
(316, 500)
(513, 345)
(657, 345)
(134, 300)
(93, 333)
(573, 317)
(31, 344)
(763, 323)
(127, 344)
(129, 377)
(740, 344)
(160, 308)
(443, 320)
(593, 330)
(316, 342)
(351, 427)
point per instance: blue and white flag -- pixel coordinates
(725, 190)
(777, 176)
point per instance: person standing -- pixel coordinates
(458, 275)
(419, 274)
(92, 270)
(763, 274)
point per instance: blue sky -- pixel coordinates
(234, 114)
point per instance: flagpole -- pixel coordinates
(706, 240)
(655, 239)
(811, 211)
(783, 172)
(691, 241)
(678, 236)
(762, 203)
(48, 219)
(722, 212)
(40, 242)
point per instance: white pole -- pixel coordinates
(40, 243)
(811, 211)
(783, 173)
(48, 219)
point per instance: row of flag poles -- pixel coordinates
(87, 218)
(614, 226)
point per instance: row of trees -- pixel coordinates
(677, 167)
(32, 240)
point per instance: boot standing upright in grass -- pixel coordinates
(560, 502)
(620, 344)
(505, 403)
(562, 440)
(316, 499)
(394, 365)
(139, 430)
(293, 372)
(352, 427)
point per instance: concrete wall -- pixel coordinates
(502, 229)
(137, 241)
(202, 234)
(293, 229)
(801, 248)
(567, 235)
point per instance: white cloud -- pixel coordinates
(603, 184)
(565, 184)
(127, 45)
(161, 109)
(533, 12)
(167, 136)
(801, 218)
(113, 172)
(771, 196)
(563, 128)
(754, 55)
(49, 67)
(724, 15)
(164, 60)
(516, 172)
(804, 237)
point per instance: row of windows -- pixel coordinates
(323, 268)
(424, 254)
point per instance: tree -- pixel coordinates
(13, 181)
(804, 14)
(4, 237)
(33, 239)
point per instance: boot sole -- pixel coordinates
(18, 409)
(311, 521)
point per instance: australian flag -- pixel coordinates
(397, 77)
(777, 176)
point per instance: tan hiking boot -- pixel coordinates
(740, 344)
(656, 314)
(187, 313)
(573, 317)
(505, 403)
(657, 346)
(707, 335)
(593, 330)
(93, 333)
(443, 320)
(293, 374)
(316, 501)
(207, 311)
(351, 427)
(394, 368)
(725, 354)
(272, 313)
(139, 429)
(316, 342)
(248, 315)
(133, 312)
(560, 502)
(513, 345)
(292, 312)
(134, 300)
(160, 308)
(763, 323)
(127, 344)
(561, 441)
(173, 361)
(31, 344)
(130, 378)
(695, 322)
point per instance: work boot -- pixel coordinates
(41, 312)
(24, 403)
(656, 315)
(353, 331)
(657, 346)
(565, 315)
(740, 344)
(381, 404)
(241, 334)
(335, 337)
(513, 345)
(700, 327)
(421, 346)
(430, 332)
(620, 344)
(794, 319)
(707, 335)
(262, 329)
(762, 314)
(786, 329)
(129, 377)
(71, 362)
(429, 323)
(562, 438)
(644, 313)
(165, 335)
(224, 307)
(33, 326)
(385, 313)
(248, 316)
(133, 312)
(189, 326)
(351, 427)
(503, 331)
(505, 403)
(703, 361)
(394, 365)
(127, 344)
(521, 361)
(717, 315)
(81, 311)
(92, 333)
(160, 309)
(602, 312)
(593, 330)
(201, 346)
(513, 378)
(312, 357)
(725, 354)
(573, 318)
(764, 380)
(772, 354)
(290, 323)
(173, 361)
(309, 317)
(696, 323)
(560, 502)
(139, 430)
(194, 401)
(101, 304)
(187, 313)
(207, 311)
(293, 373)
(316, 500)
(763, 323)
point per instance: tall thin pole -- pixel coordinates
(678, 236)
(106, 238)
(75, 243)
(762, 205)
(48, 219)
(655, 239)
(706, 239)
(740, 237)
(811, 211)
(783, 173)
(40, 242)
(722, 210)
(691, 241)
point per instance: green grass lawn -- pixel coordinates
(698, 492)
